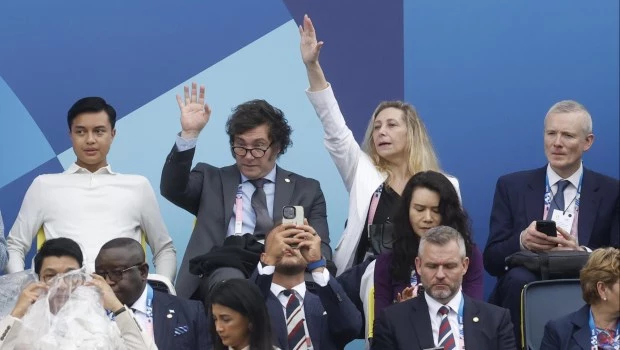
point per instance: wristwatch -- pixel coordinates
(119, 311)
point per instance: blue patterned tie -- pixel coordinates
(558, 198)
(445, 338)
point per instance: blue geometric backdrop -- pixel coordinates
(482, 74)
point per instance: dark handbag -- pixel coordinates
(381, 237)
(550, 265)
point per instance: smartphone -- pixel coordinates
(293, 214)
(547, 227)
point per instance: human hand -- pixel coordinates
(28, 296)
(195, 112)
(565, 241)
(407, 293)
(278, 241)
(536, 241)
(310, 245)
(110, 301)
(309, 46)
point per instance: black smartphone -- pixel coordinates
(547, 227)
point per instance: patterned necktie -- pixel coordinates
(445, 338)
(295, 322)
(264, 224)
(558, 198)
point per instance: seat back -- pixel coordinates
(542, 301)
(161, 283)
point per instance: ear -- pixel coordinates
(465, 265)
(250, 326)
(601, 288)
(144, 270)
(589, 142)
(113, 132)
(418, 264)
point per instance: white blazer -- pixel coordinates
(360, 176)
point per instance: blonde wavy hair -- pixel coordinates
(420, 149)
(603, 266)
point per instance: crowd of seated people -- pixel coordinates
(251, 280)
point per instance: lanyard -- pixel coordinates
(239, 211)
(460, 319)
(374, 202)
(594, 339)
(549, 195)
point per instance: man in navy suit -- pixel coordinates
(174, 322)
(443, 317)
(299, 318)
(584, 204)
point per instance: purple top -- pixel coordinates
(386, 290)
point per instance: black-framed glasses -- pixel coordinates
(116, 275)
(255, 152)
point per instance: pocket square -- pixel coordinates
(180, 330)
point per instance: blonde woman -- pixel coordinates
(396, 146)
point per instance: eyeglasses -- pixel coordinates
(255, 152)
(116, 275)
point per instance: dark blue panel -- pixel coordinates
(12, 195)
(128, 52)
(484, 73)
(363, 52)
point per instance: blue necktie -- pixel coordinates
(445, 337)
(558, 198)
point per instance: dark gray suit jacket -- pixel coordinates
(407, 326)
(209, 193)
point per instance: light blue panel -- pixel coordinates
(270, 68)
(22, 143)
(66, 158)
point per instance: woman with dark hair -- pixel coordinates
(240, 318)
(429, 200)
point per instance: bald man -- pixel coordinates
(173, 322)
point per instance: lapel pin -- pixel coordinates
(476, 319)
(169, 315)
(287, 180)
(171, 311)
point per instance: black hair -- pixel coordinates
(244, 297)
(91, 105)
(130, 244)
(406, 242)
(58, 247)
(252, 114)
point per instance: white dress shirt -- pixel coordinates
(570, 193)
(139, 311)
(91, 209)
(433, 311)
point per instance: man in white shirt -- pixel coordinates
(444, 318)
(90, 203)
(61, 309)
(583, 203)
(299, 318)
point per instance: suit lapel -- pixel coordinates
(230, 181)
(163, 327)
(313, 312)
(472, 331)
(420, 322)
(588, 206)
(278, 322)
(535, 196)
(285, 184)
(582, 332)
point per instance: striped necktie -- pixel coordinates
(295, 322)
(445, 338)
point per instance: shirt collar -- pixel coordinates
(573, 179)
(140, 304)
(76, 169)
(271, 176)
(434, 305)
(300, 290)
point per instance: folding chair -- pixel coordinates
(542, 301)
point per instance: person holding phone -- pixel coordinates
(582, 203)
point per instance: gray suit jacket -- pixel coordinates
(209, 192)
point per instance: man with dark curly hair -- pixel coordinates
(246, 197)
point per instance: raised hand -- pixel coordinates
(29, 295)
(309, 46)
(310, 246)
(407, 293)
(278, 241)
(195, 112)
